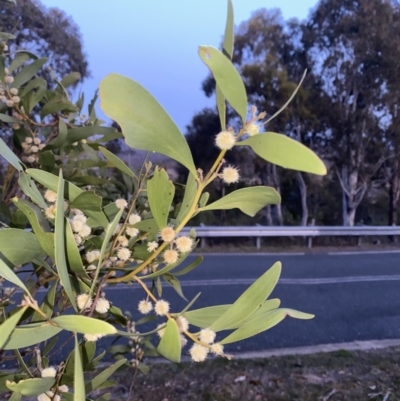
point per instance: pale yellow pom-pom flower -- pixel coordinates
(85, 231)
(79, 217)
(167, 234)
(252, 129)
(132, 231)
(91, 256)
(207, 336)
(170, 256)
(145, 307)
(49, 372)
(184, 244)
(152, 246)
(49, 396)
(83, 301)
(93, 337)
(50, 212)
(230, 175)
(102, 305)
(49, 195)
(183, 324)
(217, 349)
(198, 352)
(124, 254)
(134, 218)
(225, 140)
(121, 203)
(161, 307)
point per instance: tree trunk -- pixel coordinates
(268, 215)
(277, 185)
(394, 195)
(352, 194)
(303, 197)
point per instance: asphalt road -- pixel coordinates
(354, 297)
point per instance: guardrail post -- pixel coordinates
(359, 241)
(203, 242)
(309, 242)
(258, 242)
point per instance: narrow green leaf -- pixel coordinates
(35, 83)
(18, 60)
(61, 138)
(79, 133)
(175, 284)
(160, 192)
(188, 198)
(227, 78)
(117, 162)
(190, 267)
(256, 326)
(87, 201)
(285, 152)
(205, 317)
(50, 181)
(107, 238)
(79, 380)
(31, 334)
(84, 324)
(111, 210)
(204, 199)
(47, 305)
(28, 72)
(9, 155)
(290, 99)
(8, 119)
(38, 223)
(30, 189)
(227, 50)
(59, 243)
(74, 260)
(57, 105)
(32, 387)
(9, 325)
(144, 123)
(250, 300)
(170, 344)
(10, 246)
(148, 225)
(15, 397)
(8, 274)
(95, 383)
(297, 314)
(267, 306)
(70, 79)
(248, 200)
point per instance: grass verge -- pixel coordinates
(337, 376)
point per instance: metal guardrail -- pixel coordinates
(292, 231)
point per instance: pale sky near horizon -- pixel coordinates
(155, 43)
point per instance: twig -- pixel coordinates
(326, 398)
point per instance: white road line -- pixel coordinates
(249, 254)
(282, 281)
(345, 253)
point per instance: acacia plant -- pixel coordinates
(83, 232)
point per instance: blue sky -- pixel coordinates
(155, 42)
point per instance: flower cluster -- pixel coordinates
(31, 147)
(8, 96)
(79, 227)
